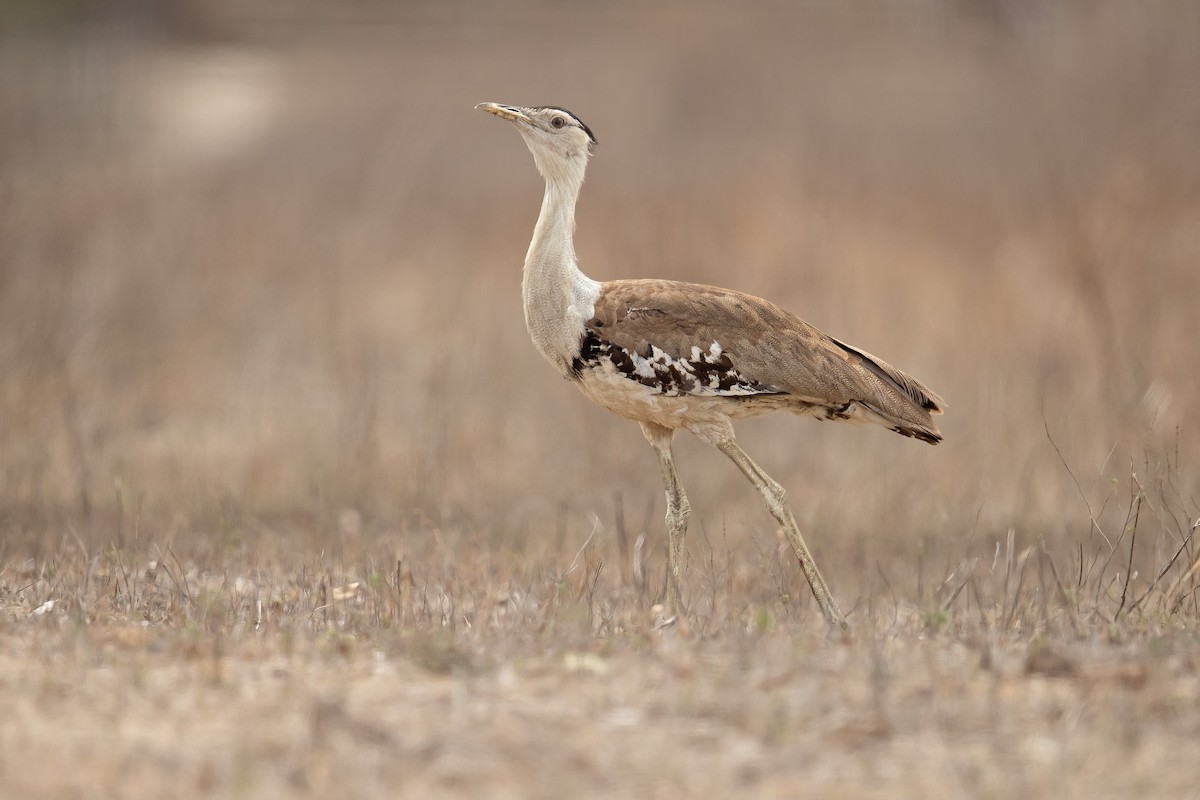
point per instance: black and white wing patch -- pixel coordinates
(708, 373)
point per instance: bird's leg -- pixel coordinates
(678, 510)
(776, 499)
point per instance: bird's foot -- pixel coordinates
(836, 625)
(663, 617)
(838, 630)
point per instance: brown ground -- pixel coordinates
(290, 507)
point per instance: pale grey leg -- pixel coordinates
(776, 499)
(678, 511)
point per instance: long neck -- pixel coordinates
(558, 297)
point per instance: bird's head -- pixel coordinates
(558, 139)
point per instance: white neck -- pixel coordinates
(559, 298)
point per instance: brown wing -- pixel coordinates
(763, 345)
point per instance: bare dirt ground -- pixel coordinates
(289, 506)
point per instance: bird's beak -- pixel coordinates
(513, 113)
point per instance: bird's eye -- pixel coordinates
(558, 122)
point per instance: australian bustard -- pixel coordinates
(678, 355)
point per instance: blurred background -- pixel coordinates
(260, 266)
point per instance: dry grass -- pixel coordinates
(291, 507)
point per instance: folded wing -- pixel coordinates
(690, 339)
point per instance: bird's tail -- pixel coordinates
(912, 418)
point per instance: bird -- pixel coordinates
(672, 355)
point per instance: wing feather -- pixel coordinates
(765, 346)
